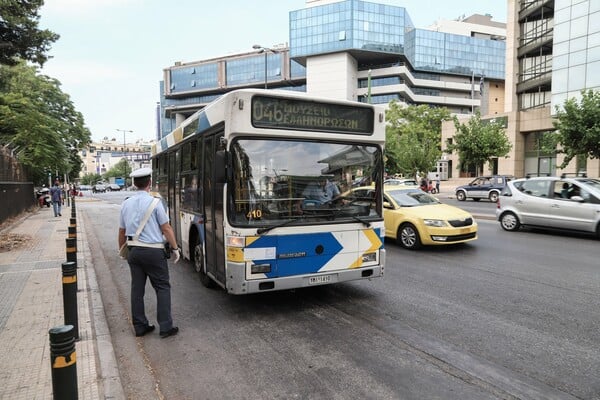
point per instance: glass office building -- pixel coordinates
(348, 25)
(375, 32)
(335, 49)
(576, 49)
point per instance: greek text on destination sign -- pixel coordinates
(280, 113)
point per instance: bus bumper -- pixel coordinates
(238, 284)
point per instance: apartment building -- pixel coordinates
(99, 157)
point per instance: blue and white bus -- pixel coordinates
(235, 176)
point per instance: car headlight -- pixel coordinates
(435, 222)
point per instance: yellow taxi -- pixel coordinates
(415, 218)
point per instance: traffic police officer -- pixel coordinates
(147, 257)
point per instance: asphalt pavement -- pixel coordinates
(33, 248)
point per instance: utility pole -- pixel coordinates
(125, 154)
(265, 50)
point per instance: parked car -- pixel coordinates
(83, 188)
(111, 187)
(551, 202)
(99, 187)
(484, 187)
(414, 218)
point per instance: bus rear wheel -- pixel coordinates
(199, 265)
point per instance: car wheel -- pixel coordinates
(493, 197)
(461, 195)
(408, 237)
(509, 222)
(199, 265)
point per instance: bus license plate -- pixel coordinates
(317, 280)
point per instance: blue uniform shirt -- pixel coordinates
(321, 191)
(132, 212)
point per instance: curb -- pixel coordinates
(108, 373)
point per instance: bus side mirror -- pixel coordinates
(221, 166)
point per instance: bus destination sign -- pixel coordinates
(275, 112)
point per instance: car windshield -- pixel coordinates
(279, 180)
(595, 183)
(411, 197)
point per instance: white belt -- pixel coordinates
(137, 243)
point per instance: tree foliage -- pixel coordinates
(119, 170)
(577, 128)
(90, 179)
(413, 138)
(39, 122)
(20, 37)
(478, 142)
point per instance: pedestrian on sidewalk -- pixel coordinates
(147, 257)
(437, 183)
(57, 198)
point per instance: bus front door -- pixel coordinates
(173, 192)
(213, 211)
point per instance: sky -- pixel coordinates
(111, 53)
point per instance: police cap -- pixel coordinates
(141, 173)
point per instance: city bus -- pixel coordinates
(236, 177)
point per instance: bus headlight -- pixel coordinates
(260, 268)
(235, 241)
(369, 257)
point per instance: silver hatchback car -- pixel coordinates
(551, 202)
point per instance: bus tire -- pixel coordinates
(198, 254)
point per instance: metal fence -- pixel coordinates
(16, 192)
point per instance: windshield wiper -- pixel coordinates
(279, 225)
(365, 223)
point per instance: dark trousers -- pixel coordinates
(145, 262)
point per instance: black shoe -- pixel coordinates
(60, 215)
(171, 332)
(147, 329)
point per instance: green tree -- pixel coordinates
(90, 178)
(413, 138)
(478, 142)
(39, 122)
(20, 37)
(119, 170)
(577, 128)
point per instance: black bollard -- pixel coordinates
(72, 232)
(73, 222)
(73, 212)
(69, 284)
(63, 360)
(72, 250)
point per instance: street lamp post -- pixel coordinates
(263, 49)
(124, 154)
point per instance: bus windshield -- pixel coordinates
(286, 182)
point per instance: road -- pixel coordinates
(511, 315)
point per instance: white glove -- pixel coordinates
(176, 255)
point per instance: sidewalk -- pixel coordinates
(31, 303)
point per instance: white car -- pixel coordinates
(551, 202)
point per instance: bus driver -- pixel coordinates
(321, 192)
